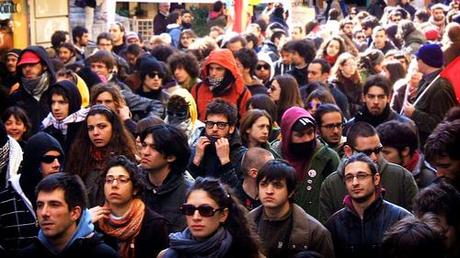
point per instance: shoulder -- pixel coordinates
(252, 215)
(395, 210)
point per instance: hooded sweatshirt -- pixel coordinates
(237, 95)
(36, 108)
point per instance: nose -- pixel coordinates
(374, 157)
(43, 211)
(196, 215)
(56, 163)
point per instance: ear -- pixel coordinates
(231, 129)
(75, 213)
(170, 158)
(405, 152)
(377, 179)
(347, 151)
(223, 215)
(253, 172)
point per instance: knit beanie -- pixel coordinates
(431, 54)
(150, 64)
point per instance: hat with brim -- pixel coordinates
(29, 57)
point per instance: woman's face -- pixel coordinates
(274, 92)
(349, 68)
(118, 188)
(202, 227)
(15, 128)
(153, 81)
(333, 48)
(415, 78)
(99, 130)
(259, 130)
(313, 106)
(186, 40)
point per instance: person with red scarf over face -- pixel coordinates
(221, 79)
(312, 160)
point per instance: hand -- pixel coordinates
(408, 109)
(124, 112)
(99, 212)
(223, 150)
(203, 141)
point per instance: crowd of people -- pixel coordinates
(338, 138)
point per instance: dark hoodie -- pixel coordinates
(312, 169)
(17, 201)
(35, 109)
(74, 97)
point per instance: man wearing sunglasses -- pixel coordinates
(398, 183)
(218, 151)
(43, 156)
(357, 229)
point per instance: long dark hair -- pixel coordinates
(80, 160)
(245, 241)
(249, 119)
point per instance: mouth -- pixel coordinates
(197, 227)
(114, 195)
(46, 224)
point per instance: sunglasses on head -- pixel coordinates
(204, 210)
(48, 159)
(264, 66)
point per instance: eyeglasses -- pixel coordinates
(121, 180)
(204, 210)
(153, 74)
(333, 126)
(48, 159)
(264, 66)
(220, 125)
(377, 150)
(311, 105)
(360, 177)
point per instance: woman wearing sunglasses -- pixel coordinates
(103, 135)
(127, 224)
(153, 77)
(216, 225)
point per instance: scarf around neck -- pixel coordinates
(215, 246)
(37, 86)
(62, 125)
(126, 228)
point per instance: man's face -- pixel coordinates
(181, 75)
(105, 98)
(131, 58)
(348, 29)
(360, 37)
(151, 159)
(392, 155)
(331, 127)
(297, 34)
(59, 107)
(438, 15)
(11, 62)
(286, 57)
(216, 71)
(369, 145)
(273, 194)
(297, 59)
(186, 40)
(100, 69)
(65, 54)
(263, 71)
(152, 81)
(235, 46)
(116, 33)
(32, 71)
(105, 44)
(359, 181)
(448, 168)
(306, 135)
(83, 41)
(215, 131)
(50, 163)
(380, 37)
(164, 7)
(56, 219)
(315, 74)
(376, 100)
(187, 18)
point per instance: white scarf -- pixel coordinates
(62, 125)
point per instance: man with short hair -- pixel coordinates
(236, 43)
(357, 229)
(435, 95)
(66, 228)
(174, 27)
(380, 40)
(303, 52)
(297, 33)
(330, 124)
(400, 146)
(161, 19)
(187, 19)
(164, 157)
(312, 160)
(117, 30)
(399, 184)
(11, 60)
(221, 79)
(253, 160)
(441, 150)
(284, 227)
(246, 60)
(376, 110)
(43, 156)
(271, 46)
(219, 150)
(80, 38)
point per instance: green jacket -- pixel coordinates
(323, 163)
(398, 183)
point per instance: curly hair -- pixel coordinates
(186, 61)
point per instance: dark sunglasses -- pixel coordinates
(265, 66)
(377, 150)
(204, 210)
(153, 74)
(48, 159)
